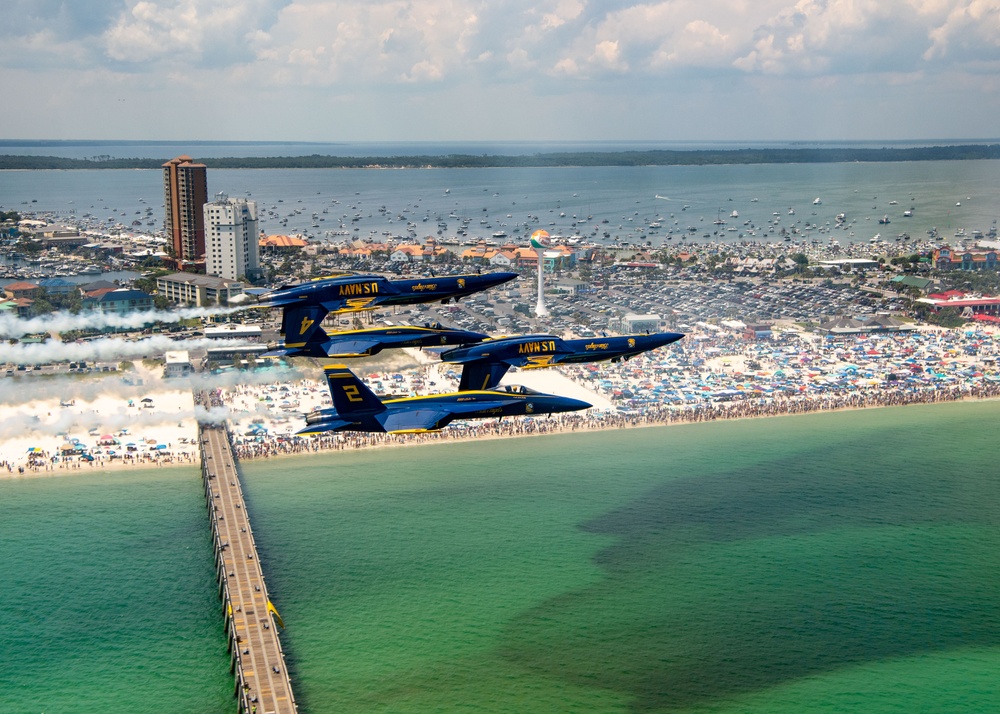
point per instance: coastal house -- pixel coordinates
(361, 250)
(415, 253)
(503, 259)
(177, 364)
(22, 307)
(57, 286)
(123, 300)
(22, 290)
(480, 253)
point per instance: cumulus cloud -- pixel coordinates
(377, 55)
(330, 42)
(188, 31)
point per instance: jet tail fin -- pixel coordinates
(301, 324)
(482, 375)
(350, 395)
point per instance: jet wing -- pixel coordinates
(355, 347)
(418, 420)
(324, 426)
(433, 418)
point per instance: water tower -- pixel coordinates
(539, 241)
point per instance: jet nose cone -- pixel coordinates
(666, 338)
(574, 405)
(491, 279)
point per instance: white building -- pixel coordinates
(231, 238)
(640, 323)
(177, 364)
(200, 290)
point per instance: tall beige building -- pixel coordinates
(185, 193)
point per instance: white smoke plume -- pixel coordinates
(105, 350)
(51, 421)
(88, 388)
(12, 326)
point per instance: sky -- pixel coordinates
(500, 70)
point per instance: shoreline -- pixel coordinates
(153, 423)
(358, 441)
(363, 442)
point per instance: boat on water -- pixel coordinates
(817, 201)
(884, 220)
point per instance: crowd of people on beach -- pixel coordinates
(43, 461)
(709, 376)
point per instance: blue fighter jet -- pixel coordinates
(356, 408)
(304, 336)
(351, 293)
(487, 362)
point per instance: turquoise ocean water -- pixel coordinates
(830, 562)
(839, 562)
(109, 603)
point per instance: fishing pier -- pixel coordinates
(257, 660)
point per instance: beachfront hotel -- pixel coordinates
(231, 242)
(185, 193)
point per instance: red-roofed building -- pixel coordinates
(969, 306)
(22, 290)
(417, 253)
(282, 244)
(944, 258)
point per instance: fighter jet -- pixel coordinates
(305, 336)
(351, 293)
(356, 408)
(487, 362)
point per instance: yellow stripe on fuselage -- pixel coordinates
(379, 330)
(484, 393)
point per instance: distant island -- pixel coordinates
(656, 157)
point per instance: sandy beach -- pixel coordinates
(141, 420)
(110, 423)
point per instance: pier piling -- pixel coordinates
(262, 683)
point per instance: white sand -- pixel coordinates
(48, 425)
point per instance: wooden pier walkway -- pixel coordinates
(258, 663)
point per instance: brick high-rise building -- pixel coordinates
(185, 193)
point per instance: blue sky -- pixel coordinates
(464, 70)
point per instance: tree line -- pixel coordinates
(654, 157)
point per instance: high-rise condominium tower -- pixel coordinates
(232, 244)
(185, 192)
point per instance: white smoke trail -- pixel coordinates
(225, 380)
(39, 423)
(106, 350)
(88, 388)
(12, 326)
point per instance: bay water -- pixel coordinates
(621, 202)
(829, 562)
